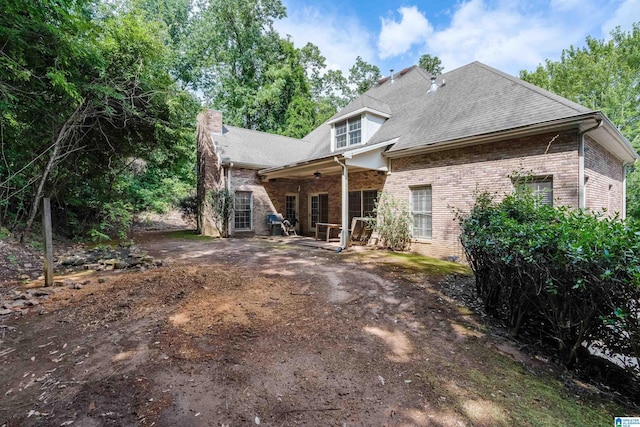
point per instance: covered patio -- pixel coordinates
(327, 207)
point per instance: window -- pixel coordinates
(543, 188)
(362, 203)
(421, 212)
(242, 210)
(341, 135)
(354, 132)
(348, 131)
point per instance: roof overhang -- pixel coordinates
(607, 135)
(610, 137)
(362, 158)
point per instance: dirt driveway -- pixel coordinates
(254, 332)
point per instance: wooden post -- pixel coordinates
(48, 242)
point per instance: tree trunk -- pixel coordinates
(54, 158)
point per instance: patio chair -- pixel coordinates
(289, 226)
(360, 231)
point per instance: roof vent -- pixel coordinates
(392, 80)
(434, 86)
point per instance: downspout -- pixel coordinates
(228, 186)
(582, 196)
(344, 236)
(624, 191)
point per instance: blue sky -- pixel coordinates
(510, 35)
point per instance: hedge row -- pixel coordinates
(570, 276)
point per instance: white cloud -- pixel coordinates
(624, 16)
(509, 36)
(397, 38)
(340, 37)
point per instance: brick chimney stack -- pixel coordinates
(214, 121)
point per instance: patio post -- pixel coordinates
(344, 236)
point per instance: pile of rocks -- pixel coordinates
(18, 300)
(107, 258)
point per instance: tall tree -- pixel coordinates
(603, 75)
(86, 91)
(362, 76)
(431, 64)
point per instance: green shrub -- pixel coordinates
(393, 222)
(221, 202)
(570, 276)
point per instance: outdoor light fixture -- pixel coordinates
(317, 174)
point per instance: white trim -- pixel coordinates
(359, 111)
(350, 153)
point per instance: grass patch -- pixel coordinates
(415, 263)
(499, 391)
(542, 400)
(189, 235)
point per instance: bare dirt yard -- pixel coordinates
(248, 332)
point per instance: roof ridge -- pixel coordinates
(264, 133)
(547, 94)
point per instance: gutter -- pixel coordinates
(475, 139)
(582, 194)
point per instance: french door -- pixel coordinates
(318, 209)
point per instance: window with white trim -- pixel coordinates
(348, 132)
(242, 209)
(421, 212)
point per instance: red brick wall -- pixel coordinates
(455, 174)
(248, 180)
(604, 178)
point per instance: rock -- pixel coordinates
(18, 304)
(24, 277)
(5, 312)
(19, 295)
(102, 280)
(120, 265)
(92, 266)
(39, 292)
(28, 265)
(32, 302)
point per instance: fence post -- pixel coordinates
(48, 242)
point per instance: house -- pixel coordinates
(430, 141)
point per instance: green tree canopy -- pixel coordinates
(604, 75)
(431, 64)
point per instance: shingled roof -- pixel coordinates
(258, 149)
(470, 101)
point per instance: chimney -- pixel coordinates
(214, 121)
(391, 82)
(434, 86)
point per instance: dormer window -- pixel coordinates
(348, 131)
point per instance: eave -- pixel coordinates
(621, 147)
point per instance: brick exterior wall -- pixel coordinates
(454, 175)
(248, 180)
(604, 179)
(331, 185)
